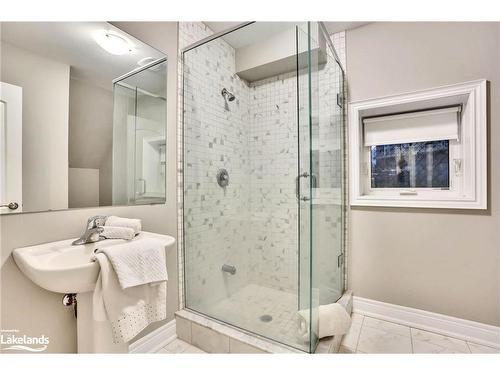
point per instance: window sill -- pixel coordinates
(368, 201)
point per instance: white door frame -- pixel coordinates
(11, 151)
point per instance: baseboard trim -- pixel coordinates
(468, 330)
(155, 340)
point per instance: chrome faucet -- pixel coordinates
(92, 231)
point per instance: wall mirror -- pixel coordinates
(82, 117)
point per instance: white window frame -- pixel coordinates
(468, 174)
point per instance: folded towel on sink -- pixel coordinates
(116, 221)
(131, 288)
(137, 262)
(117, 233)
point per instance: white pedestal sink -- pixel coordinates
(62, 268)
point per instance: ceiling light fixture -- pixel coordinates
(113, 42)
(145, 61)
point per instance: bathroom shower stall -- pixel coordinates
(139, 139)
(263, 178)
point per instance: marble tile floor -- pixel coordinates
(375, 336)
(246, 307)
(369, 335)
(179, 347)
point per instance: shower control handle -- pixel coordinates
(297, 186)
(229, 269)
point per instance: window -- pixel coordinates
(410, 165)
(425, 149)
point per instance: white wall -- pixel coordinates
(45, 86)
(34, 311)
(445, 261)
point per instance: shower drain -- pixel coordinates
(266, 318)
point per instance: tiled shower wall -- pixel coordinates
(216, 136)
(273, 167)
(252, 224)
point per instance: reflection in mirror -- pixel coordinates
(82, 117)
(139, 136)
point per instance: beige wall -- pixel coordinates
(106, 180)
(91, 132)
(34, 311)
(45, 86)
(83, 187)
(445, 261)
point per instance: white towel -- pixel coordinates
(137, 262)
(117, 232)
(129, 310)
(116, 221)
(333, 320)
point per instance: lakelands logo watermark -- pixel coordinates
(12, 340)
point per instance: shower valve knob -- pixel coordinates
(222, 178)
(229, 269)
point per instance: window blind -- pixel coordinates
(422, 126)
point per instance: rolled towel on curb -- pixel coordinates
(117, 233)
(333, 320)
(116, 221)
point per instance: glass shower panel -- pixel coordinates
(327, 168)
(139, 149)
(123, 143)
(308, 301)
(251, 179)
(241, 240)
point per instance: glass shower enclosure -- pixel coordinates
(139, 141)
(263, 178)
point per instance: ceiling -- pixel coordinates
(250, 34)
(335, 27)
(72, 43)
(273, 27)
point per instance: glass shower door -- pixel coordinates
(308, 292)
(320, 197)
(327, 166)
(251, 256)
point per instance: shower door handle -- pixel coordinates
(297, 186)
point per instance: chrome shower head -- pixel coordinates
(229, 96)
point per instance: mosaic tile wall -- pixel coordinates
(216, 136)
(273, 168)
(273, 160)
(188, 33)
(252, 224)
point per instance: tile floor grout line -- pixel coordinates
(411, 341)
(191, 332)
(421, 329)
(468, 347)
(360, 331)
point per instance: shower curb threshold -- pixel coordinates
(257, 342)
